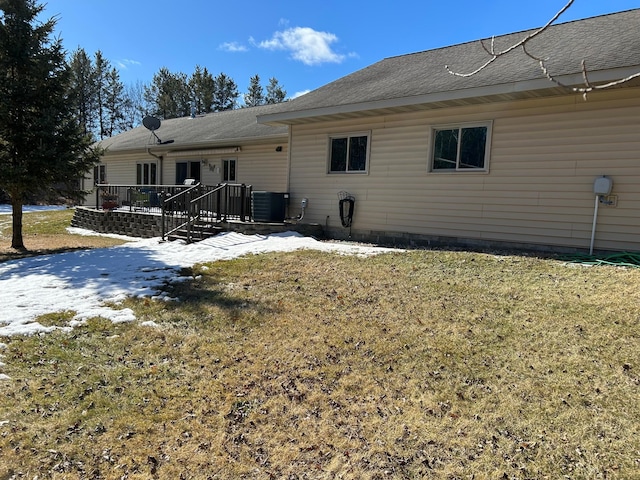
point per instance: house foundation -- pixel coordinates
(147, 225)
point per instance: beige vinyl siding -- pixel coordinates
(545, 156)
(263, 168)
(257, 165)
(121, 170)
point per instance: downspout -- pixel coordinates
(289, 158)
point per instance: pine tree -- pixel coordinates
(275, 93)
(168, 94)
(201, 85)
(98, 95)
(225, 93)
(255, 94)
(83, 89)
(100, 77)
(114, 105)
(42, 146)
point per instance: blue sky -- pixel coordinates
(303, 44)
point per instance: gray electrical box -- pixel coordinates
(602, 185)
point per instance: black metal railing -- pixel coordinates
(195, 209)
(147, 198)
(183, 207)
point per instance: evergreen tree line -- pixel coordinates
(106, 107)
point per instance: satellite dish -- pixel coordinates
(151, 123)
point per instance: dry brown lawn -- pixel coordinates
(424, 364)
(44, 233)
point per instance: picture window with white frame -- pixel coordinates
(461, 148)
(349, 153)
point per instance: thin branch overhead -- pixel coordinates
(494, 55)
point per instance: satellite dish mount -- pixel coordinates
(152, 124)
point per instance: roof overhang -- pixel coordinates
(204, 153)
(534, 88)
(215, 147)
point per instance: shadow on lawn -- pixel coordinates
(14, 254)
(201, 298)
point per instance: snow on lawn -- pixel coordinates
(86, 281)
(6, 209)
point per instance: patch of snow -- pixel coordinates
(92, 283)
(150, 323)
(8, 210)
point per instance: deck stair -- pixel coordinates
(199, 231)
(197, 212)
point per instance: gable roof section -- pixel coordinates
(220, 129)
(610, 45)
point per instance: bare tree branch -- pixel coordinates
(495, 55)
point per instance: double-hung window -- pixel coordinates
(461, 148)
(349, 153)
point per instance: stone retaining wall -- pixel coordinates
(145, 225)
(133, 224)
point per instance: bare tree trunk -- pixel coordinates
(16, 240)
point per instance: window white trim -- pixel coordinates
(227, 170)
(458, 168)
(348, 136)
(100, 174)
(147, 173)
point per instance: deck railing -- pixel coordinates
(183, 207)
(147, 198)
(201, 206)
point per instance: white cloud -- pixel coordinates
(126, 63)
(299, 94)
(232, 47)
(306, 45)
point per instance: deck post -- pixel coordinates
(243, 193)
(163, 230)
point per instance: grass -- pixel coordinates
(425, 364)
(45, 232)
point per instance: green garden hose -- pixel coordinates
(623, 259)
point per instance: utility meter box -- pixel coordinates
(602, 185)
